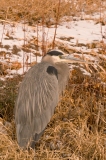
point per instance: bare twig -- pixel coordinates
(57, 18)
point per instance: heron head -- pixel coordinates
(56, 56)
(52, 56)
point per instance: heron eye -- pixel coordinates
(60, 56)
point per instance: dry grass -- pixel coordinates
(77, 130)
(34, 11)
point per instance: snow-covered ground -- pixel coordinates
(80, 38)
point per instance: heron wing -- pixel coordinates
(37, 99)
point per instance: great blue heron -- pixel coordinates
(38, 96)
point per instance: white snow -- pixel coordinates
(69, 34)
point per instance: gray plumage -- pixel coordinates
(37, 98)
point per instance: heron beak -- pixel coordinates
(70, 59)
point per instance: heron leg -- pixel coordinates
(36, 137)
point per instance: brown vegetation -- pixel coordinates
(76, 131)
